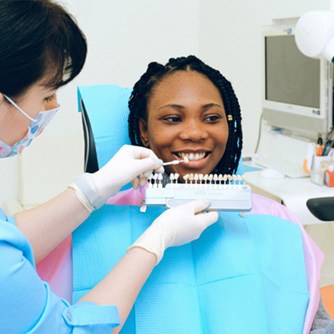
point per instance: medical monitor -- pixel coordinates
(298, 90)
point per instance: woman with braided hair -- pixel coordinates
(187, 109)
(226, 116)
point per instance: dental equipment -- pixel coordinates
(175, 162)
(315, 33)
(225, 192)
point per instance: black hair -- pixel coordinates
(157, 72)
(38, 39)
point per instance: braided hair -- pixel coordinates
(157, 72)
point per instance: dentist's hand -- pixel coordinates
(126, 165)
(177, 226)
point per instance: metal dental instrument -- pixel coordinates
(175, 162)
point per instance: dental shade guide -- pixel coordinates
(225, 192)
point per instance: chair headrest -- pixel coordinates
(106, 118)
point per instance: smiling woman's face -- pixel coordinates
(186, 118)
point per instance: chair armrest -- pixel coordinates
(322, 207)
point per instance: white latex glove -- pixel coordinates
(177, 226)
(126, 165)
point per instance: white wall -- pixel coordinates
(125, 35)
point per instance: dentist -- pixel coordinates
(41, 50)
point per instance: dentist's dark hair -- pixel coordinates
(156, 72)
(38, 39)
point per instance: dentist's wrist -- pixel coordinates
(152, 241)
(86, 192)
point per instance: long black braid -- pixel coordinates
(157, 72)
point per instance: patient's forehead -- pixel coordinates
(185, 87)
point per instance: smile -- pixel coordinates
(192, 156)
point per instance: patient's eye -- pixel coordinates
(213, 118)
(172, 119)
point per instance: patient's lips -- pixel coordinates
(194, 160)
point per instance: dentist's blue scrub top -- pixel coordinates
(27, 305)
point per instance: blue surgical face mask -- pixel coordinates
(35, 128)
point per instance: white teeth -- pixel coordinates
(192, 156)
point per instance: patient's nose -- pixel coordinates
(194, 132)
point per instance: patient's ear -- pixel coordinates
(143, 132)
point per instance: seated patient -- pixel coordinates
(188, 109)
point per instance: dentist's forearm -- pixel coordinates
(122, 285)
(49, 224)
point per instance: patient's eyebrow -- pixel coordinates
(172, 105)
(180, 107)
(211, 105)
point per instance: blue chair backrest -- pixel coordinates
(105, 119)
